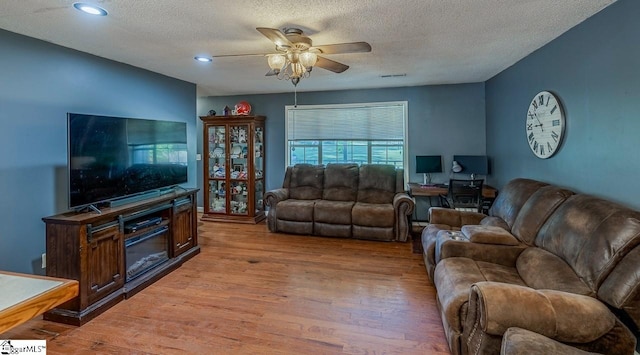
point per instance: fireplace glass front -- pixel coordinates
(146, 251)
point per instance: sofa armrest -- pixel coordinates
(489, 235)
(403, 206)
(569, 318)
(271, 199)
(454, 218)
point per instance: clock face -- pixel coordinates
(544, 125)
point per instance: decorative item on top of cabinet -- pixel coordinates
(234, 169)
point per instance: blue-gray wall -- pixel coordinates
(39, 83)
(594, 70)
(445, 120)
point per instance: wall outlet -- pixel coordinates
(44, 260)
(198, 156)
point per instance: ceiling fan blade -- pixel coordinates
(355, 47)
(276, 36)
(240, 55)
(331, 65)
(271, 72)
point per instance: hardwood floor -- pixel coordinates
(255, 292)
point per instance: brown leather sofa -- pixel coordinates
(342, 200)
(564, 266)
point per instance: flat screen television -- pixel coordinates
(115, 157)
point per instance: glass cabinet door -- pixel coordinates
(234, 166)
(217, 169)
(258, 167)
(238, 157)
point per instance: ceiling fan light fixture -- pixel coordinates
(276, 61)
(297, 70)
(308, 59)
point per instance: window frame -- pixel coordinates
(405, 130)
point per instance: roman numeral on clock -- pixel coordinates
(550, 147)
(541, 99)
(553, 109)
(554, 135)
(529, 126)
(541, 149)
(530, 137)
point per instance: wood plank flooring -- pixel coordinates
(255, 292)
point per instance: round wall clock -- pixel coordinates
(544, 125)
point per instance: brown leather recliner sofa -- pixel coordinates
(564, 267)
(341, 200)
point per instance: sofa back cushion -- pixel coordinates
(377, 183)
(592, 235)
(535, 212)
(340, 182)
(512, 197)
(306, 182)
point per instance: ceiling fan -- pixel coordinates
(296, 56)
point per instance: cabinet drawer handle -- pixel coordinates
(97, 289)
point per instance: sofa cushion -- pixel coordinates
(306, 182)
(453, 279)
(373, 214)
(377, 183)
(535, 212)
(296, 210)
(518, 341)
(542, 270)
(340, 182)
(512, 197)
(494, 222)
(592, 235)
(336, 212)
(488, 235)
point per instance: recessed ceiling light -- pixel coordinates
(203, 59)
(90, 9)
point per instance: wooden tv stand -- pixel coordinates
(90, 247)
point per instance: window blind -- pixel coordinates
(383, 121)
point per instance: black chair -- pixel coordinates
(463, 195)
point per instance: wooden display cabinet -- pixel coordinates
(93, 248)
(234, 168)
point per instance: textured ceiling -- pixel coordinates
(431, 41)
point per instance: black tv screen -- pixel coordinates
(113, 157)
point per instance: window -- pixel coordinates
(159, 154)
(369, 133)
